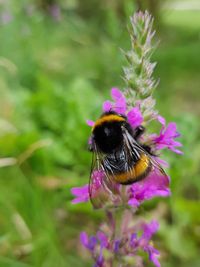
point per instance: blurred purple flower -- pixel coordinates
(88, 242)
(90, 123)
(6, 17)
(149, 230)
(81, 194)
(153, 255)
(166, 137)
(128, 243)
(55, 11)
(91, 243)
(119, 104)
(135, 117)
(102, 238)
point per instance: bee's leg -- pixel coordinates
(138, 132)
(147, 148)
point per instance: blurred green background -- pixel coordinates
(58, 61)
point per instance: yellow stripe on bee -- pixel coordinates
(108, 118)
(136, 172)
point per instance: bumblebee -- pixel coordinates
(118, 153)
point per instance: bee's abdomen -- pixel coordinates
(134, 172)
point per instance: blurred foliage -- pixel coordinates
(56, 68)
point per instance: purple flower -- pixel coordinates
(81, 194)
(116, 246)
(91, 244)
(166, 137)
(90, 123)
(155, 184)
(119, 104)
(153, 255)
(127, 243)
(123, 241)
(149, 230)
(145, 241)
(134, 116)
(133, 240)
(88, 242)
(102, 238)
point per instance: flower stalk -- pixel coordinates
(138, 75)
(124, 239)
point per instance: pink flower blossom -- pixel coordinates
(119, 104)
(90, 123)
(134, 116)
(81, 194)
(96, 191)
(166, 137)
(154, 185)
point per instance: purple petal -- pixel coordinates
(116, 246)
(153, 255)
(88, 242)
(90, 123)
(134, 117)
(116, 94)
(155, 184)
(100, 260)
(166, 138)
(175, 143)
(170, 131)
(84, 239)
(177, 151)
(161, 120)
(81, 194)
(120, 101)
(102, 238)
(133, 240)
(133, 202)
(107, 106)
(92, 243)
(120, 107)
(150, 229)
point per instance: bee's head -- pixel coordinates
(108, 136)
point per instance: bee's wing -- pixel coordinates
(102, 190)
(134, 150)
